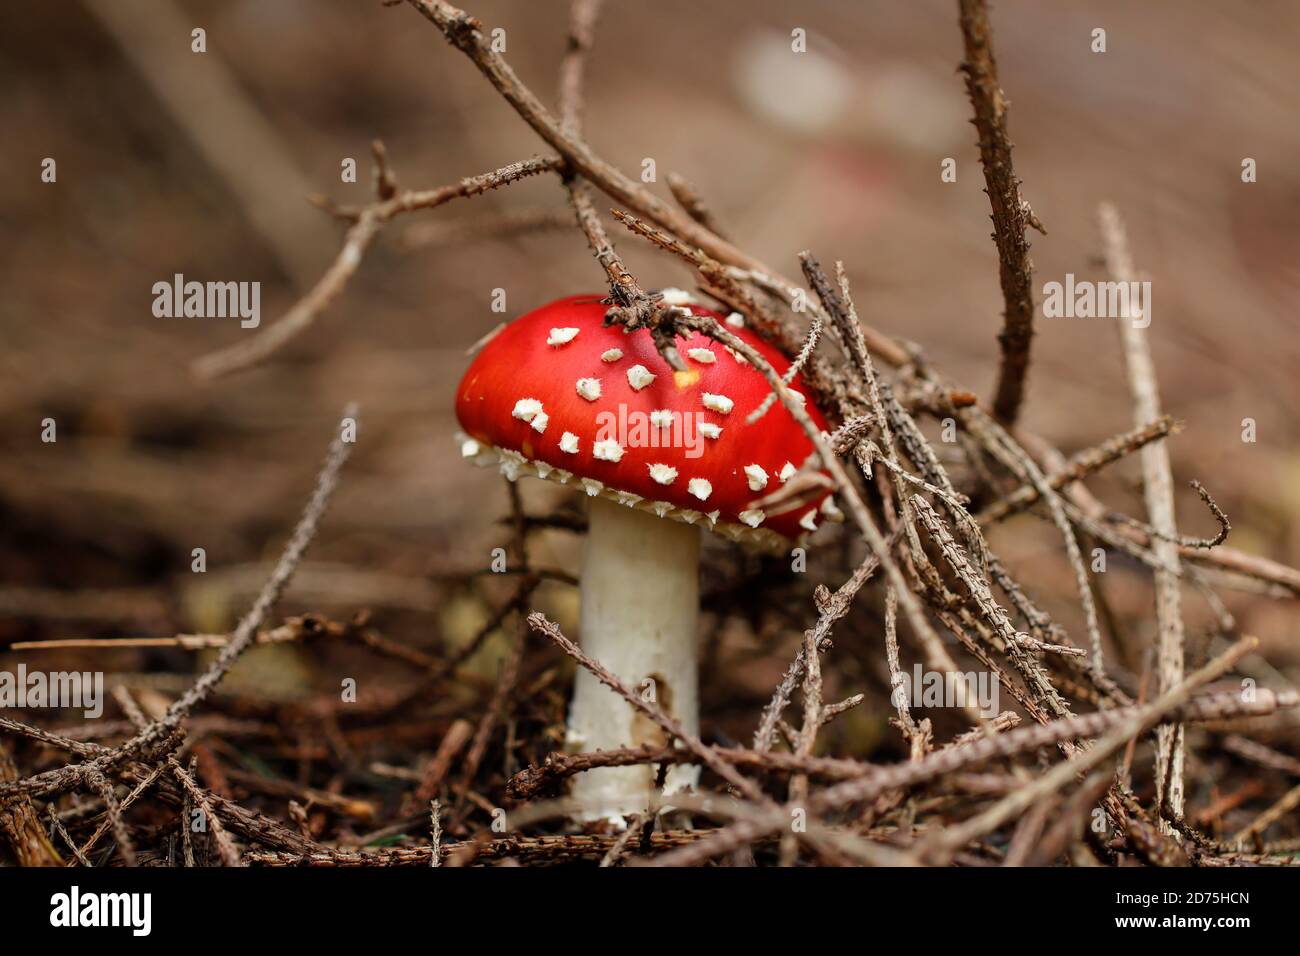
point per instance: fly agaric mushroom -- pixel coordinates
(661, 453)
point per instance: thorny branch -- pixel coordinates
(154, 739)
(1011, 213)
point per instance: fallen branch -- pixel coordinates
(1157, 484)
(1011, 213)
(367, 222)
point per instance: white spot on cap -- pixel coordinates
(569, 443)
(831, 510)
(664, 474)
(757, 477)
(809, 521)
(526, 409)
(540, 421)
(611, 355)
(638, 376)
(562, 336)
(677, 296)
(700, 487)
(736, 320)
(661, 418)
(589, 388)
(710, 430)
(543, 469)
(592, 487)
(689, 516)
(754, 517)
(718, 403)
(469, 448)
(661, 508)
(607, 450)
(704, 356)
(713, 516)
(787, 471)
(627, 498)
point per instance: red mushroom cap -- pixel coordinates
(559, 394)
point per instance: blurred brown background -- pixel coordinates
(170, 161)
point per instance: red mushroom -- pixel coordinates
(560, 395)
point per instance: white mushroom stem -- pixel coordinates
(640, 616)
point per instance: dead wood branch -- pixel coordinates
(366, 224)
(1157, 481)
(1011, 214)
